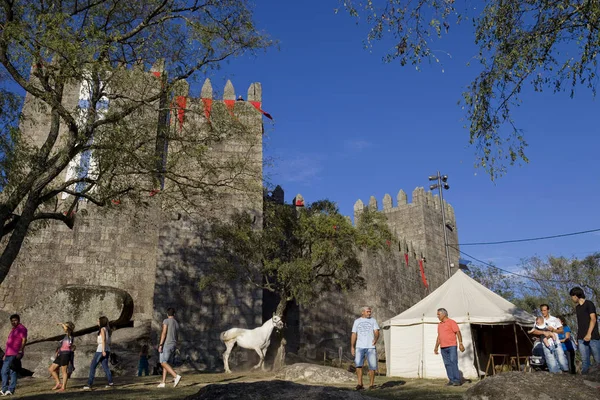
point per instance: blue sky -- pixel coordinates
(348, 126)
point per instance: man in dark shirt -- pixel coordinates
(588, 337)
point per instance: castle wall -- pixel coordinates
(102, 249)
(159, 254)
(185, 245)
(203, 313)
(114, 248)
(391, 285)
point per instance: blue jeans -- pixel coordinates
(143, 366)
(5, 375)
(585, 348)
(371, 355)
(97, 359)
(450, 357)
(556, 359)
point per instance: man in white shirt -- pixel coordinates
(555, 358)
(365, 333)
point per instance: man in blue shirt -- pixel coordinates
(365, 333)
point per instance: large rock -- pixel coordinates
(315, 374)
(275, 390)
(81, 304)
(526, 386)
(133, 337)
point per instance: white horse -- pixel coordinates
(256, 339)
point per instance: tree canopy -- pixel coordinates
(545, 281)
(300, 252)
(548, 44)
(110, 142)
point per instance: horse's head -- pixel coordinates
(277, 322)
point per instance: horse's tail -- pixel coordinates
(230, 334)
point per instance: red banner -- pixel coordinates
(181, 103)
(256, 105)
(207, 107)
(230, 104)
(423, 274)
(406, 259)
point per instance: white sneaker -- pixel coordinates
(87, 388)
(176, 381)
(7, 393)
(161, 385)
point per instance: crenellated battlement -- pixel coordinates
(207, 104)
(182, 104)
(254, 94)
(420, 198)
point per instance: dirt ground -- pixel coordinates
(130, 388)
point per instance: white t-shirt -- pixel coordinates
(365, 332)
(106, 342)
(553, 322)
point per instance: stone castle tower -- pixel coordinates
(156, 253)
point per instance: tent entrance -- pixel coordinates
(499, 339)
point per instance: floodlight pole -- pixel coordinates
(441, 186)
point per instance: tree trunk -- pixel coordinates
(13, 247)
(279, 361)
(280, 310)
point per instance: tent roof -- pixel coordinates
(467, 301)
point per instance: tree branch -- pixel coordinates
(67, 218)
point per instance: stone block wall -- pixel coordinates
(116, 250)
(158, 254)
(184, 243)
(392, 286)
(203, 313)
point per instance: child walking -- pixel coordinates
(63, 357)
(143, 363)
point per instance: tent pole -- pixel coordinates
(517, 346)
(475, 352)
(423, 346)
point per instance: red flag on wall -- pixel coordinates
(423, 274)
(406, 259)
(256, 105)
(229, 104)
(181, 103)
(207, 107)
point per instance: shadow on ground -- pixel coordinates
(134, 388)
(391, 384)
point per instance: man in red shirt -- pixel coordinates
(14, 350)
(448, 331)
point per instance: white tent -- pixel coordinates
(410, 336)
